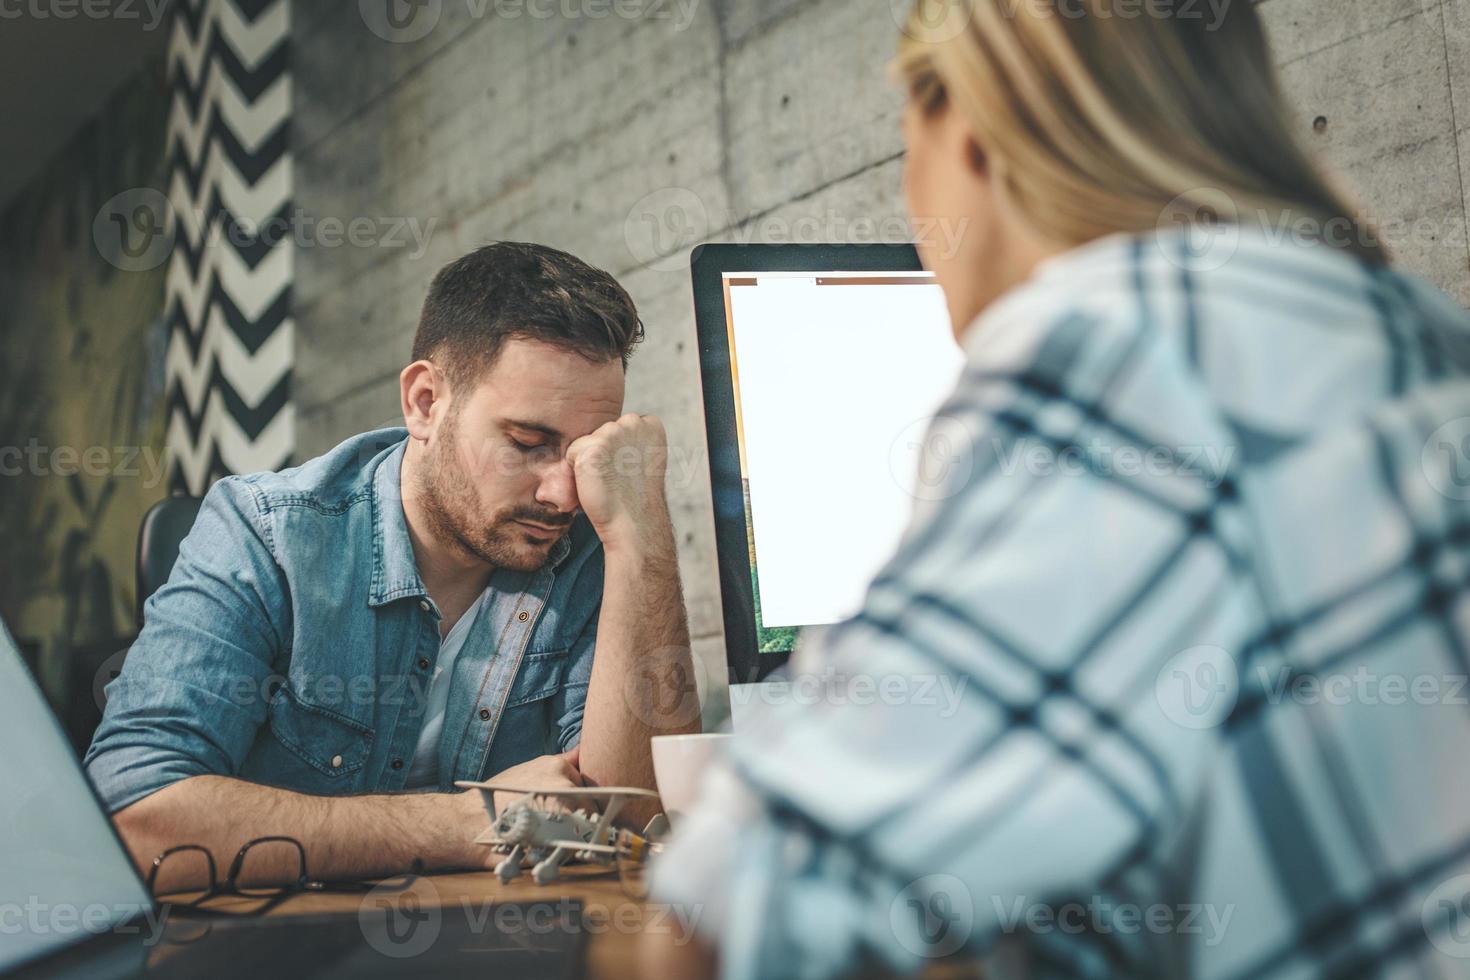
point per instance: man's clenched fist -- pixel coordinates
(619, 471)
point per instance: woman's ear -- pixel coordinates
(975, 156)
(420, 385)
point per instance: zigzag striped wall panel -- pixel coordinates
(228, 292)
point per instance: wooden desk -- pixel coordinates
(612, 919)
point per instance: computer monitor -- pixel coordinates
(65, 878)
(822, 367)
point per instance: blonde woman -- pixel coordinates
(1200, 568)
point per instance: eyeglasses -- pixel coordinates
(265, 872)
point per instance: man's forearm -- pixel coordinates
(346, 838)
(642, 672)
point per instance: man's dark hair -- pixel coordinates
(518, 290)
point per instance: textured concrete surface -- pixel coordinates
(626, 139)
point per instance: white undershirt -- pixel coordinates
(424, 772)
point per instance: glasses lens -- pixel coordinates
(183, 874)
(270, 867)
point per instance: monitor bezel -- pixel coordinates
(708, 265)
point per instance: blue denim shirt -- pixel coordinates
(294, 643)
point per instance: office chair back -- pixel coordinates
(164, 528)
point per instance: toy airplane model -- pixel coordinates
(549, 838)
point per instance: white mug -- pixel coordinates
(679, 765)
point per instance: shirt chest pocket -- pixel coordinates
(328, 750)
(541, 676)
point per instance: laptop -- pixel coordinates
(72, 903)
(65, 879)
(822, 367)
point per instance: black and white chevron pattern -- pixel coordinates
(228, 293)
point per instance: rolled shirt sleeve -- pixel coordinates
(192, 692)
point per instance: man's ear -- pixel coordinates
(420, 386)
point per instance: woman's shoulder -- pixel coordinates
(1282, 336)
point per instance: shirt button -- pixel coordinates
(397, 763)
(424, 604)
(336, 762)
(484, 714)
(423, 663)
(524, 616)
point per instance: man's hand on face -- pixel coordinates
(619, 471)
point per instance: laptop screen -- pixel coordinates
(836, 377)
(64, 876)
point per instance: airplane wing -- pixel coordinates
(576, 845)
(637, 848)
(590, 792)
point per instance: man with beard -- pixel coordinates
(491, 591)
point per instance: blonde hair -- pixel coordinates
(1097, 123)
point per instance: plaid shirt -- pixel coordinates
(1192, 558)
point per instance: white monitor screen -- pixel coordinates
(63, 874)
(836, 376)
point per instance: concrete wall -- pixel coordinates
(625, 139)
(1382, 89)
